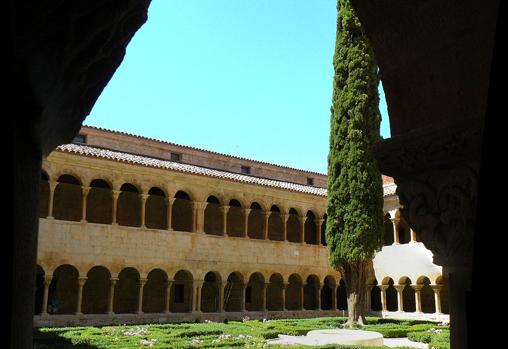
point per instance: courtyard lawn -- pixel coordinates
(233, 334)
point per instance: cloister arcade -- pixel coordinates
(100, 291)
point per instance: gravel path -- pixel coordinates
(403, 342)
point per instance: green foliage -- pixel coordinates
(354, 228)
(235, 334)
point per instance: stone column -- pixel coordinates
(418, 297)
(284, 288)
(143, 209)
(225, 210)
(383, 297)
(395, 222)
(302, 228)
(141, 284)
(168, 296)
(400, 298)
(318, 291)
(246, 212)
(244, 291)
(52, 186)
(413, 235)
(302, 296)
(169, 203)
(265, 296)
(197, 295)
(116, 194)
(285, 218)
(199, 214)
(334, 297)
(221, 296)
(85, 191)
(368, 291)
(47, 282)
(265, 227)
(112, 284)
(81, 283)
(437, 297)
(319, 224)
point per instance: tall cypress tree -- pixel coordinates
(354, 229)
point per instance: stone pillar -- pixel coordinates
(302, 228)
(334, 297)
(400, 298)
(383, 297)
(141, 284)
(168, 296)
(395, 222)
(199, 214)
(81, 283)
(47, 282)
(265, 296)
(197, 295)
(418, 297)
(221, 296)
(116, 194)
(318, 291)
(368, 304)
(285, 218)
(265, 227)
(244, 291)
(169, 203)
(302, 296)
(84, 191)
(437, 297)
(413, 235)
(284, 288)
(225, 210)
(143, 209)
(52, 186)
(319, 224)
(111, 297)
(246, 212)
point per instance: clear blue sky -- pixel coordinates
(242, 77)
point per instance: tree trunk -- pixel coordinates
(354, 275)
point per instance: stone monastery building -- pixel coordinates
(134, 229)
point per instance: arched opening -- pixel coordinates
(323, 231)
(154, 291)
(256, 221)
(44, 195)
(375, 297)
(341, 296)
(181, 291)
(275, 224)
(126, 292)
(293, 226)
(294, 293)
(96, 291)
(233, 292)
(99, 203)
(235, 219)
(310, 293)
(182, 212)
(63, 290)
(426, 295)
(403, 230)
(274, 297)
(156, 211)
(129, 206)
(213, 216)
(443, 282)
(408, 295)
(327, 293)
(310, 229)
(388, 232)
(391, 295)
(254, 293)
(68, 199)
(39, 289)
(210, 292)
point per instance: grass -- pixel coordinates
(233, 334)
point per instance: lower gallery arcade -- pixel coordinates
(123, 242)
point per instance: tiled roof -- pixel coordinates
(200, 149)
(86, 150)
